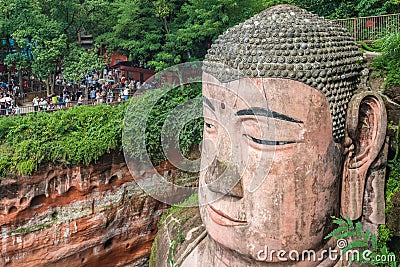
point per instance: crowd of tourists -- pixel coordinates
(112, 87)
(96, 94)
(8, 95)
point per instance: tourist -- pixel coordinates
(93, 94)
(35, 102)
(43, 104)
(126, 93)
(110, 96)
(2, 106)
(7, 100)
(54, 99)
(60, 102)
(67, 101)
(80, 100)
(17, 110)
(99, 98)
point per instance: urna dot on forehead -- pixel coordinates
(291, 43)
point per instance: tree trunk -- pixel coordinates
(53, 82)
(21, 82)
(30, 82)
(9, 77)
(47, 85)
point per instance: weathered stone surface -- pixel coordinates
(92, 215)
(286, 149)
(182, 227)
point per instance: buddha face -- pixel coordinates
(270, 168)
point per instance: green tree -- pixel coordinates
(48, 30)
(79, 62)
(197, 24)
(376, 7)
(47, 55)
(16, 27)
(349, 8)
(136, 32)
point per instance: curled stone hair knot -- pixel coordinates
(289, 42)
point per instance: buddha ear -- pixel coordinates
(365, 134)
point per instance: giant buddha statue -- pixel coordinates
(290, 134)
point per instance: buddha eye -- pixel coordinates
(209, 125)
(210, 128)
(267, 142)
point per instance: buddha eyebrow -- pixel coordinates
(267, 113)
(208, 102)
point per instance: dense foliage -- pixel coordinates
(391, 193)
(389, 61)
(352, 237)
(83, 134)
(349, 9)
(80, 134)
(37, 35)
(160, 33)
(160, 116)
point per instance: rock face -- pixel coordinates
(92, 215)
(179, 233)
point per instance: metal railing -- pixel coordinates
(371, 28)
(117, 98)
(59, 106)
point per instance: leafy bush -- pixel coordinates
(389, 62)
(80, 134)
(374, 47)
(353, 237)
(392, 188)
(83, 134)
(159, 115)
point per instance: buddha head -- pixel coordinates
(289, 132)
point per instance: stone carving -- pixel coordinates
(290, 136)
(289, 42)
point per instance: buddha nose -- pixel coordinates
(223, 177)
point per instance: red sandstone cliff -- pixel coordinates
(92, 215)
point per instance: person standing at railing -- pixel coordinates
(2, 106)
(35, 102)
(16, 110)
(67, 101)
(80, 100)
(110, 96)
(61, 102)
(73, 97)
(98, 98)
(79, 93)
(51, 105)
(7, 100)
(93, 94)
(54, 100)
(126, 93)
(43, 104)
